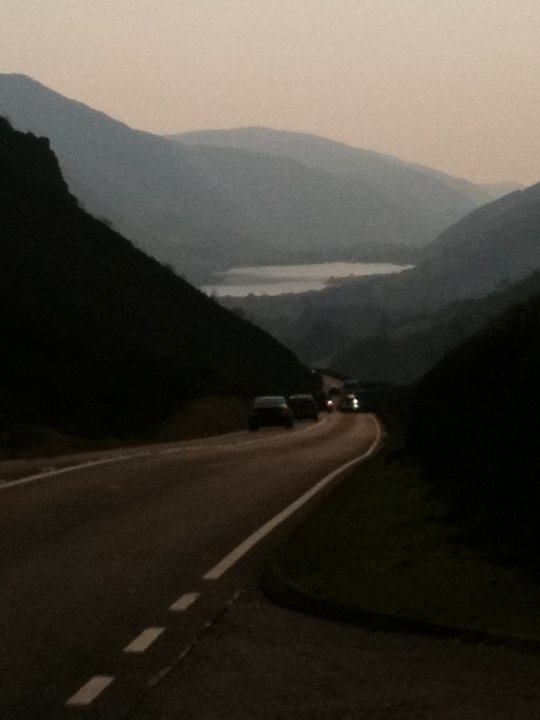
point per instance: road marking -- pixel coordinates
(5, 484)
(67, 469)
(143, 641)
(89, 692)
(183, 603)
(233, 557)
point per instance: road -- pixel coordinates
(110, 571)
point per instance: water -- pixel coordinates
(280, 279)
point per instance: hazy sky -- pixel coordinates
(454, 84)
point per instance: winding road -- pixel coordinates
(113, 564)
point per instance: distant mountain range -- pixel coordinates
(303, 214)
(422, 200)
(269, 197)
(97, 338)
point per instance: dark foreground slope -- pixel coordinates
(96, 337)
(474, 425)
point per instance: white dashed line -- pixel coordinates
(183, 603)
(89, 692)
(232, 558)
(144, 640)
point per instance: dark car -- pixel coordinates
(270, 410)
(351, 385)
(304, 407)
(349, 403)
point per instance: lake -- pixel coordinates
(280, 279)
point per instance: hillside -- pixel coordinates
(305, 214)
(425, 201)
(491, 249)
(139, 182)
(97, 338)
(406, 350)
(474, 427)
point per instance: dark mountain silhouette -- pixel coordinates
(493, 248)
(474, 427)
(140, 182)
(423, 200)
(97, 338)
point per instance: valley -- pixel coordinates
(151, 286)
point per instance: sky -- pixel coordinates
(452, 84)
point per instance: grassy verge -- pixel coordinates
(198, 418)
(380, 544)
(204, 417)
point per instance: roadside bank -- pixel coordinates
(381, 553)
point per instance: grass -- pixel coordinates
(206, 416)
(381, 543)
(199, 418)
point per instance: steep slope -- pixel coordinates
(406, 350)
(97, 338)
(474, 426)
(426, 200)
(138, 181)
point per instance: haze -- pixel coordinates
(453, 85)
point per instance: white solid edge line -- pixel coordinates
(232, 558)
(89, 692)
(134, 456)
(183, 603)
(68, 468)
(143, 641)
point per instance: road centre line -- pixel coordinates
(143, 641)
(90, 691)
(183, 603)
(234, 556)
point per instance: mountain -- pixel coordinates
(425, 201)
(206, 209)
(497, 190)
(97, 338)
(489, 250)
(305, 214)
(139, 182)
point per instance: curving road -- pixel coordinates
(111, 568)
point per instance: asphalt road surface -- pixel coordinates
(112, 570)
